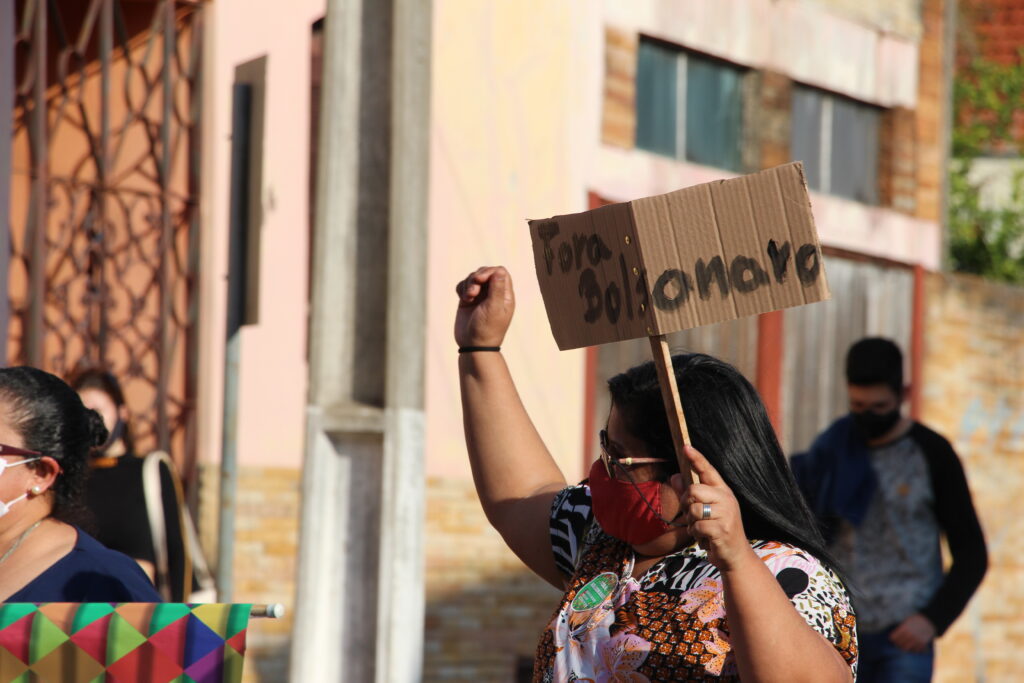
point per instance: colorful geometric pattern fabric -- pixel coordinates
(122, 643)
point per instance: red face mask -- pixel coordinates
(626, 511)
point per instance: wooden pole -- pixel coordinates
(673, 406)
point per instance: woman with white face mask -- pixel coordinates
(45, 438)
(664, 580)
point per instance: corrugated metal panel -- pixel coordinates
(734, 341)
(868, 299)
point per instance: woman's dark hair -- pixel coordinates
(103, 380)
(728, 423)
(52, 420)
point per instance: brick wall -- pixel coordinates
(973, 381)
(912, 143)
(618, 121)
(932, 102)
(993, 30)
(897, 158)
(266, 548)
(776, 102)
(484, 610)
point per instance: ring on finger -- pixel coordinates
(706, 512)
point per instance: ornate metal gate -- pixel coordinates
(104, 197)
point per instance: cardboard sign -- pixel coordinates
(700, 255)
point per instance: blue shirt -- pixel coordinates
(91, 572)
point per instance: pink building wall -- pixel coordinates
(272, 388)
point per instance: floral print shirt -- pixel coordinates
(670, 625)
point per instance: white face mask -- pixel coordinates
(6, 507)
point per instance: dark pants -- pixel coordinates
(881, 661)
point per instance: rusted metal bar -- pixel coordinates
(7, 89)
(103, 162)
(191, 322)
(40, 196)
(166, 228)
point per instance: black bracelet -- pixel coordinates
(470, 349)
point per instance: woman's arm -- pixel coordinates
(770, 639)
(515, 476)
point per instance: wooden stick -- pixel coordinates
(673, 406)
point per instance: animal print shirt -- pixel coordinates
(670, 625)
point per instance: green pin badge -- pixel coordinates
(595, 592)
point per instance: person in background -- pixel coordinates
(45, 438)
(885, 489)
(115, 492)
(664, 580)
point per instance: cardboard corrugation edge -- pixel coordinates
(821, 287)
(826, 289)
(651, 322)
(538, 264)
(625, 240)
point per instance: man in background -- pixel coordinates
(885, 489)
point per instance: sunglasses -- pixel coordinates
(613, 463)
(14, 450)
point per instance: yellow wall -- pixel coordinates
(973, 383)
(505, 85)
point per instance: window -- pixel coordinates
(837, 139)
(246, 207)
(688, 106)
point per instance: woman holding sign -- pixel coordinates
(664, 580)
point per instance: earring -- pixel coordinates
(36, 490)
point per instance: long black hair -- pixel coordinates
(51, 419)
(728, 423)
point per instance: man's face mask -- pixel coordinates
(873, 425)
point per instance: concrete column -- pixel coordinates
(359, 603)
(401, 578)
(329, 596)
